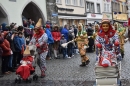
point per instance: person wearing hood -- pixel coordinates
(108, 40)
(50, 41)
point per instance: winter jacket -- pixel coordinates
(56, 35)
(11, 41)
(65, 32)
(6, 48)
(19, 42)
(50, 38)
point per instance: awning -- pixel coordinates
(71, 17)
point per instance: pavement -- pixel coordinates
(66, 72)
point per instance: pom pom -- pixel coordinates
(99, 45)
(116, 43)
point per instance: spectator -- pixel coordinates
(50, 41)
(64, 50)
(65, 32)
(6, 54)
(56, 36)
(20, 46)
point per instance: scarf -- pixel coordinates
(38, 35)
(106, 35)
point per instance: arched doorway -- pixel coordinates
(3, 16)
(32, 11)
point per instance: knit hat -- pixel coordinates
(39, 23)
(26, 52)
(105, 19)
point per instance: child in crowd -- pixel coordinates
(20, 46)
(64, 50)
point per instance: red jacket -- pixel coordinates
(56, 36)
(6, 48)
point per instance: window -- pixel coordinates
(58, 1)
(116, 6)
(67, 2)
(107, 7)
(98, 8)
(90, 7)
(81, 3)
(75, 2)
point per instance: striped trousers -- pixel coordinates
(41, 61)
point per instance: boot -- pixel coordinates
(42, 74)
(122, 55)
(83, 64)
(87, 62)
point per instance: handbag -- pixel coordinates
(32, 47)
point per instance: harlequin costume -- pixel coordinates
(25, 69)
(82, 43)
(40, 39)
(107, 40)
(120, 31)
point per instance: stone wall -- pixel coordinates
(52, 11)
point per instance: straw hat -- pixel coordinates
(26, 52)
(105, 18)
(39, 23)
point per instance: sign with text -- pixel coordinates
(93, 15)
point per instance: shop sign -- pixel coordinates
(93, 15)
(108, 16)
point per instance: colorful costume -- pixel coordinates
(25, 69)
(40, 39)
(82, 43)
(107, 40)
(121, 31)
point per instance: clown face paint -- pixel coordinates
(105, 27)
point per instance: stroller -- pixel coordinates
(108, 69)
(26, 71)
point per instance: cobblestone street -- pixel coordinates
(66, 72)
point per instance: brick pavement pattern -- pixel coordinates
(66, 72)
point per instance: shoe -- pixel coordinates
(87, 62)
(42, 74)
(83, 64)
(69, 57)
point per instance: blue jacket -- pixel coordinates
(18, 42)
(65, 32)
(50, 38)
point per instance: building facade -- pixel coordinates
(16, 10)
(71, 12)
(107, 10)
(93, 10)
(120, 12)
